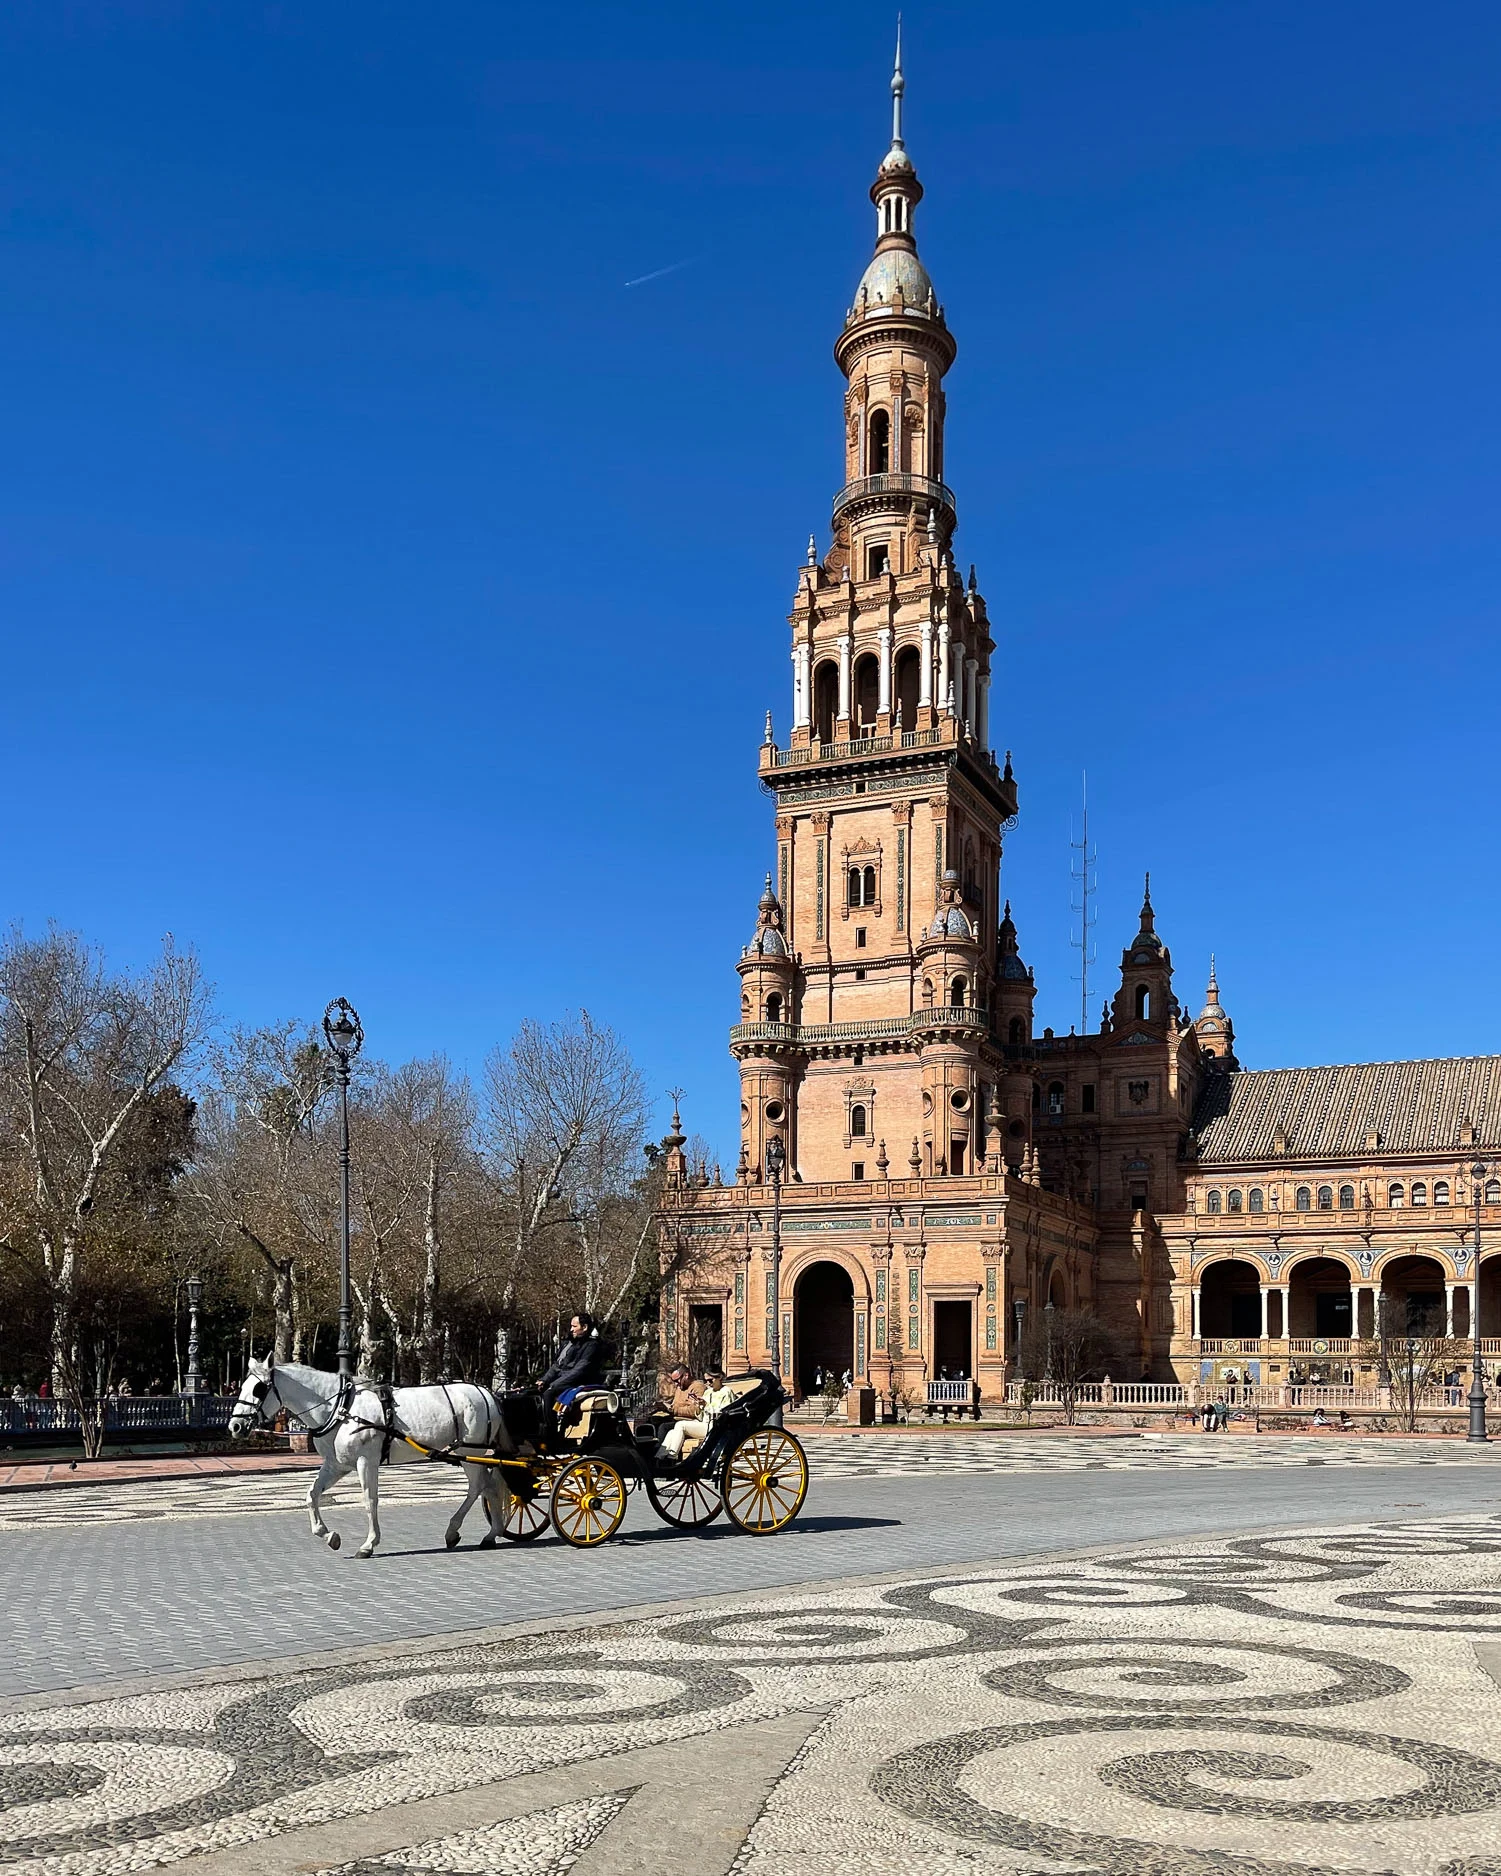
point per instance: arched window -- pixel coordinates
(870, 885)
(878, 456)
(854, 894)
(1055, 1097)
(1420, 1193)
(857, 1119)
(927, 993)
(867, 689)
(1347, 1198)
(956, 992)
(1493, 1191)
(1143, 1004)
(1394, 1195)
(825, 700)
(1017, 1032)
(774, 1007)
(1303, 1199)
(1441, 1191)
(1235, 1199)
(1256, 1204)
(1326, 1199)
(1213, 1202)
(908, 685)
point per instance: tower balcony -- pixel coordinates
(892, 748)
(895, 489)
(828, 1039)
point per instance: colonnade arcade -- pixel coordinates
(1324, 1297)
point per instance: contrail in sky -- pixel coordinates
(660, 272)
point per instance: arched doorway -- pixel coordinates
(1318, 1300)
(1412, 1297)
(867, 690)
(1490, 1296)
(824, 1326)
(825, 700)
(908, 685)
(1230, 1299)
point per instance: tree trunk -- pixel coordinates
(427, 1331)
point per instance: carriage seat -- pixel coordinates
(742, 1386)
(579, 1419)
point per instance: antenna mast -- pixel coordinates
(1082, 873)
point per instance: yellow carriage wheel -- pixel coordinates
(525, 1518)
(588, 1502)
(765, 1481)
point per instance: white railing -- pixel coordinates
(950, 1393)
(128, 1413)
(1321, 1345)
(1229, 1344)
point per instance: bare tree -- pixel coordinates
(264, 1179)
(565, 1118)
(415, 1179)
(1067, 1347)
(83, 1054)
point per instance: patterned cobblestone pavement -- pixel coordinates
(1293, 1704)
(873, 1455)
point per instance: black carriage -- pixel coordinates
(587, 1465)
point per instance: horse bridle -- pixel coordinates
(261, 1389)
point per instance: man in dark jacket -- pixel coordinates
(580, 1362)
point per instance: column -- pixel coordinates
(799, 687)
(971, 675)
(845, 647)
(943, 664)
(1265, 1311)
(1449, 1289)
(883, 639)
(925, 693)
(1193, 1310)
(982, 721)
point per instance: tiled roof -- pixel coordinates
(1326, 1113)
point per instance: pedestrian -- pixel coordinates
(1208, 1416)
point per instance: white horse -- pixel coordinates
(347, 1423)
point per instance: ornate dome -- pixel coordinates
(767, 940)
(895, 277)
(951, 921)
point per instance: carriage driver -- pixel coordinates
(580, 1363)
(716, 1397)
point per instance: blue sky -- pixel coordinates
(391, 596)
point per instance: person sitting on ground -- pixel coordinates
(1345, 1422)
(580, 1363)
(1319, 1418)
(716, 1398)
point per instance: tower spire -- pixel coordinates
(898, 89)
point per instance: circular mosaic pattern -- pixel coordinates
(932, 1784)
(1165, 1675)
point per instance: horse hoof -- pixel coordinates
(364, 1556)
(487, 1543)
(450, 1539)
(333, 1540)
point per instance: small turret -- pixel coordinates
(1213, 1028)
(1146, 993)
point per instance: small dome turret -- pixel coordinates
(768, 940)
(951, 921)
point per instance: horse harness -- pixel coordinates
(341, 1414)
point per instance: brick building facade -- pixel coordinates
(947, 1168)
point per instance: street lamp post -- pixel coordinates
(342, 1032)
(1047, 1311)
(1477, 1435)
(776, 1160)
(193, 1383)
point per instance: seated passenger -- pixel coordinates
(716, 1397)
(680, 1396)
(580, 1363)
